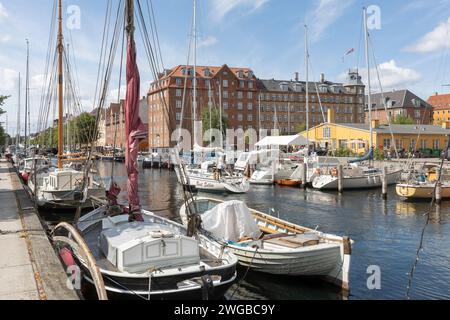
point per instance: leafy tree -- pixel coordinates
(3, 137)
(82, 128)
(215, 120)
(2, 102)
(401, 119)
(300, 127)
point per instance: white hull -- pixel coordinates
(236, 185)
(328, 182)
(328, 259)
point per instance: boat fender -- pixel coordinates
(207, 287)
(67, 257)
(347, 245)
(25, 176)
(334, 172)
(161, 234)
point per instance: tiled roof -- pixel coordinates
(402, 98)
(214, 70)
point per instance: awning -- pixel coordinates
(296, 140)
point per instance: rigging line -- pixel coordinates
(156, 31)
(382, 97)
(103, 47)
(422, 236)
(359, 42)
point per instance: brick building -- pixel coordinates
(247, 102)
(114, 120)
(401, 102)
(441, 108)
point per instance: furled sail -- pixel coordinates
(134, 128)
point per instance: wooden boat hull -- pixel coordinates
(289, 183)
(411, 191)
(329, 259)
(210, 281)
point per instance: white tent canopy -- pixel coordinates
(277, 141)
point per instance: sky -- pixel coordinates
(410, 42)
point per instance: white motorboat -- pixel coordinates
(208, 179)
(355, 177)
(271, 245)
(263, 176)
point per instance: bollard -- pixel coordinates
(304, 175)
(340, 179)
(438, 193)
(384, 183)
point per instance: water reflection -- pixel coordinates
(386, 234)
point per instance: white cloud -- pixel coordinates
(392, 76)
(4, 38)
(438, 38)
(326, 13)
(8, 79)
(3, 12)
(207, 42)
(223, 7)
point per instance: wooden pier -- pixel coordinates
(29, 266)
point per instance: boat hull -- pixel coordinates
(289, 183)
(410, 191)
(67, 199)
(328, 182)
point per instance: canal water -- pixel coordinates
(386, 235)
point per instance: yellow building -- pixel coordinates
(356, 137)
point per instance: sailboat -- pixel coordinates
(139, 254)
(210, 176)
(355, 175)
(63, 188)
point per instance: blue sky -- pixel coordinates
(411, 47)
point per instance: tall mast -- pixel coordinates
(18, 117)
(220, 114)
(27, 94)
(60, 86)
(366, 32)
(307, 84)
(195, 71)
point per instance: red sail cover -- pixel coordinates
(134, 128)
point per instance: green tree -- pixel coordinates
(83, 128)
(3, 137)
(300, 127)
(2, 102)
(215, 120)
(401, 119)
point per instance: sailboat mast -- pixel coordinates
(307, 84)
(195, 71)
(26, 94)
(60, 86)
(18, 116)
(366, 32)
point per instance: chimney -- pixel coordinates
(322, 77)
(445, 125)
(375, 124)
(331, 115)
(296, 76)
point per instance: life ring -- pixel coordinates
(334, 172)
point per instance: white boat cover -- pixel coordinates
(277, 141)
(231, 221)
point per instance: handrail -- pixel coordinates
(87, 254)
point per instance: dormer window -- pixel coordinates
(240, 74)
(250, 74)
(298, 87)
(284, 86)
(206, 72)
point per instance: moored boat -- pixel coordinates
(267, 244)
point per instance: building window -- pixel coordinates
(240, 117)
(423, 144)
(242, 84)
(178, 116)
(250, 117)
(225, 94)
(327, 133)
(412, 144)
(179, 82)
(178, 104)
(240, 95)
(225, 83)
(240, 106)
(178, 93)
(387, 143)
(250, 95)
(250, 106)
(225, 105)
(436, 144)
(250, 84)
(417, 114)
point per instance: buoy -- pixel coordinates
(25, 176)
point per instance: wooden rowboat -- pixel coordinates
(289, 182)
